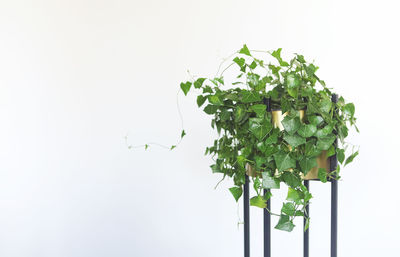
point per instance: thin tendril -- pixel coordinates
(179, 109)
(223, 61)
(158, 144)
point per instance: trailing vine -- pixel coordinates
(249, 141)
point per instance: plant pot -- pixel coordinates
(322, 159)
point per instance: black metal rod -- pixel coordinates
(334, 197)
(267, 214)
(334, 203)
(246, 210)
(267, 227)
(306, 238)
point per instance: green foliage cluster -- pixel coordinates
(247, 137)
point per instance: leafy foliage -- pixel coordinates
(236, 192)
(247, 137)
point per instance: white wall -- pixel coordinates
(76, 76)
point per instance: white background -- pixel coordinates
(77, 76)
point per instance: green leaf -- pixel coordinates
(268, 150)
(241, 160)
(225, 115)
(253, 80)
(311, 69)
(311, 150)
(216, 169)
(331, 151)
(340, 155)
(322, 175)
(258, 201)
(240, 114)
(211, 109)
(291, 125)
(239, 179)
(315, 120)
(291, 179)
(288, 209)
(307, 224)
(293, 92)
(349, 109)
(172, 147)
(246, 151)
(294, 140)
(307, 91)
(307, 196)
(259, 109)
(260, 127)
(342, 132)
(239, 61)
(273, 137)
(260, 160)
(325, 142)
(275, 70)
(186, 87)
(285, 224)
(207, 89)
(351, 158)
(199, 82)
(292, 81)
(250, 96)
(215, 81)
(237, 83)
(307, 130)
(236, 192)
(200, 100)
(277, 55)
(300, 58)
(245, 50)
(183, 133)
(256, 183)
(325, 131)
(294, 195)
(215, 99)
(306, 164)
(269, 182)
(284, 161)
(325, 106)
(253, 65)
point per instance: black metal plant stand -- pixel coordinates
(267, 215)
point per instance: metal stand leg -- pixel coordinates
(334, 204)
(246, 205)
(306, 238)
(267, 228)
(334, 196)
(267, 215)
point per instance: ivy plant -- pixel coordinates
(247, 138)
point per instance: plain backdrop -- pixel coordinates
(76, 77)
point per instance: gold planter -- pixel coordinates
(322, 159)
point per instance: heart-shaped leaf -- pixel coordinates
(307, 130)
(294, 140)
(269, 182)
(186, 87)
(284, 161)
(291, 125)
(260, 127)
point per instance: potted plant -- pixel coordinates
(288, 143)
